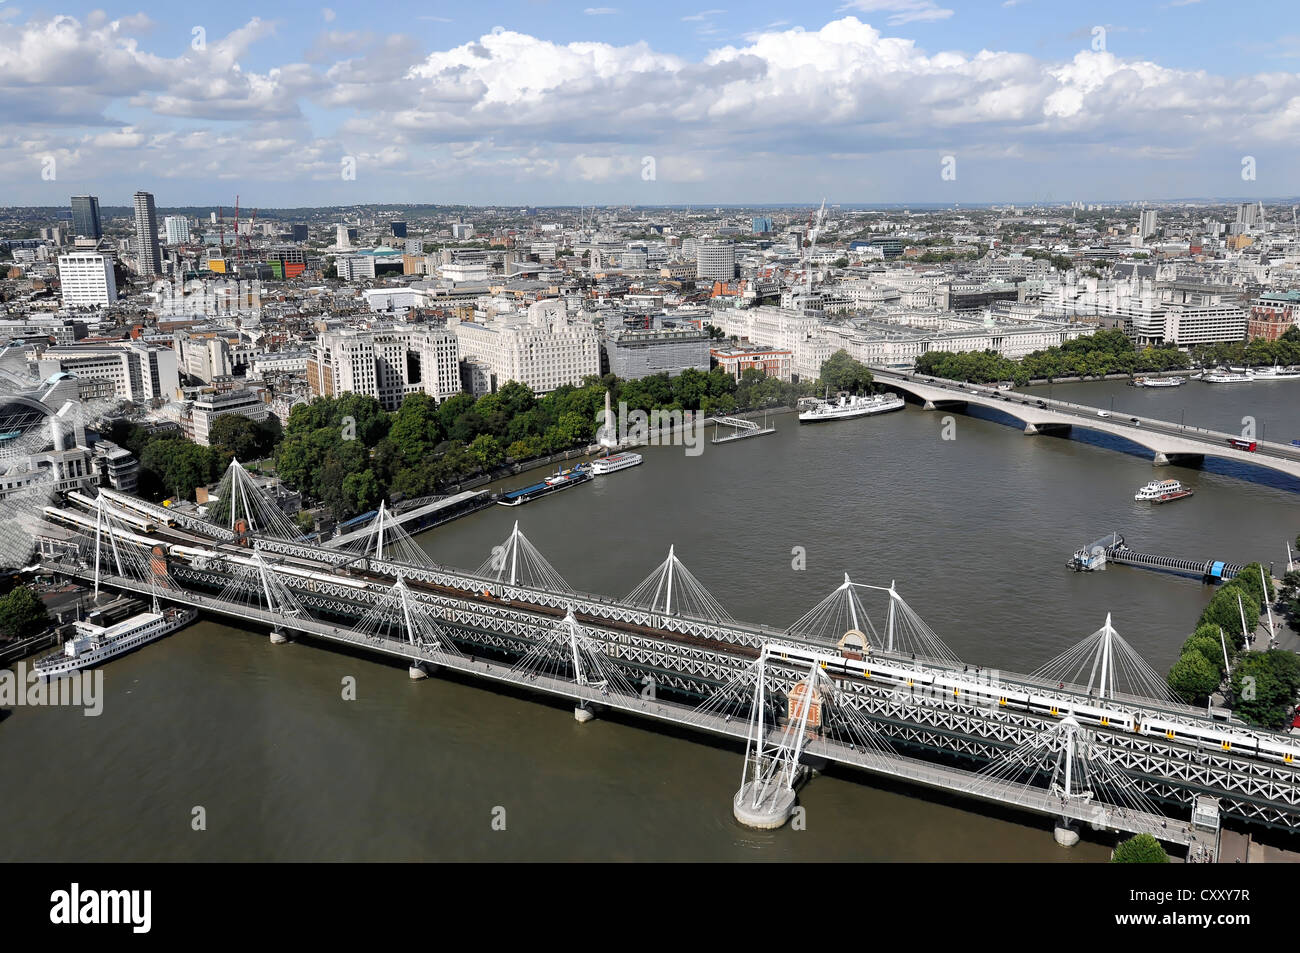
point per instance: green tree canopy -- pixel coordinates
(1194, 677)
(1264, 685)
(1139, 849)
(841, 372)
(22, 614)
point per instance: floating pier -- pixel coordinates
(1113, 549)
(740, 429)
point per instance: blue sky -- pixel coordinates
(544, 102)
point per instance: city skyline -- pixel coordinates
(867, 102)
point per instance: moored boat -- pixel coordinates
(615, 462)
(846, 407)
(95, 644)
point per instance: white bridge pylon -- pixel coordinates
(398, 617)
(778, 737)
(261, 587)
(385, 539)
(248, 510)
(672, 589)
(1072, 763)
(566, 653)
(842, 613)
(1106, 666)
(130, 560)
(517, 562)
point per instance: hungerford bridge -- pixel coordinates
(1170, 443)
(1092, 737)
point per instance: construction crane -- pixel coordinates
(237, 255)
(813, 233)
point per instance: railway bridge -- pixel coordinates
(1091, 736)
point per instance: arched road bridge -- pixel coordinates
(1171, 443)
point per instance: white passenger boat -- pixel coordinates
(1231, 377)
(94, 644)
(1162, 491)
(615, 462)
(846, 407)
(1276, 373)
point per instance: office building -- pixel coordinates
(715, 260)
(543, 350)
(735, 360)
(85, 217)
(355, 267)
(147, 253)
(177, 229)
(639, 353)
(299, 232)
(385, 364)
(210, 405)
(1147, 224)
(137, 372)
(86, 280)
(397, 229)
(1273, 314)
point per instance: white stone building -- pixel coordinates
(543, 350)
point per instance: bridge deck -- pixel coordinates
(1036, 800)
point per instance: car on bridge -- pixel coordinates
(1103, 413)
(1135, 422)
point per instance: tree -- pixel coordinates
(1224, 612)
(22, 614)
(361, 492)
(1255, 579)
(1263, 688)
(486, 451)
(1194, 677)
(242, 438)
(841, 372)
(1139, 849)
(417, 428)
(171, 464)
(1206, 642)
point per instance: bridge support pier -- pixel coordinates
(583, 714)
(1163, 459)
(1035, 429)
(278, 637)
(763, 806)
(1065, 833)
(421, 669)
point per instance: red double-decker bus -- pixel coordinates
(1242, 444)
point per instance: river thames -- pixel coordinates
(975, 531)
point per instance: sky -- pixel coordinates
(541, 102)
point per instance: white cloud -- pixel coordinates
(600, 11)
(507, 106)
(901, 11)
(702, 15)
